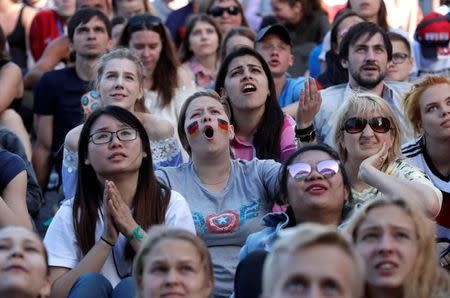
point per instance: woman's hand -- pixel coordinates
(309, 104)
(109, 231)
(375, 161)
(119, 210)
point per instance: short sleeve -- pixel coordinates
(406, 171)
(178, 214)
(269, 170)
(11, 165)
(60, 240)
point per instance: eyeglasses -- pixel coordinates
(103, 137)
(219, 11)
(356, 125)
(143, 20)
(399, 58)
(301, 170)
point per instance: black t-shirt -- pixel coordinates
(58, 94)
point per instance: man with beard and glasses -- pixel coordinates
(365, 52)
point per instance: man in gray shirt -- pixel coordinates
(365, 52)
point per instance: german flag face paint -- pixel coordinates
(193, 128)
(223, 125)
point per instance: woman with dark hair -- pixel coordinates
(316, 187)
(335, 73)
(235, 38)
(93, 237)
(307, 23)
(372, 11)
(227, 197)
(199, 50)
(166, 84)
(227, 14)
(261, 128)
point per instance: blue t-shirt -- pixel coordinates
(58, 94)
(11, 165)
(176, 20)
(291, 91)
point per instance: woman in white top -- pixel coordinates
(117, 198)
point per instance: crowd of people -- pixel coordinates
(282, 148)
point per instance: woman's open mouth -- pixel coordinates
(209, 132)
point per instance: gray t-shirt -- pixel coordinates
(224, 220)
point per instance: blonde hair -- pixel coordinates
(411, 100)
(158, 233)
(363, 105)
(305, 236)
(426, 279)
(125, 54)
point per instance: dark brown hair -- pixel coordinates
(309, 7)
(185, 47)
(165, 75)
(266, 139)
(381, 16)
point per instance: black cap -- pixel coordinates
(276, 29)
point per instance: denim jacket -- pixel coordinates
(264, 239)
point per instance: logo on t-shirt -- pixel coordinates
(227, 221)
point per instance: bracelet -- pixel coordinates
(106, 241)
(307, 138)
(300, 132)
(136, 234)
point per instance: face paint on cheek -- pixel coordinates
(192, 129)
(223, 125)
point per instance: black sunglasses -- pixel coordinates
(144, 20)
(357, 125)
(219, 11)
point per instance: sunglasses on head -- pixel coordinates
(301, 170)
(357, 125)
(140, 21)
(219, 11)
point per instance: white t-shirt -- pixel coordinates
(63, 249)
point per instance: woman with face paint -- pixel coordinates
(227, 197)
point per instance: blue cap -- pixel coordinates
(277, 29)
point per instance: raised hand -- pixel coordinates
(109, 230)
(309, 104)
(119, 210)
